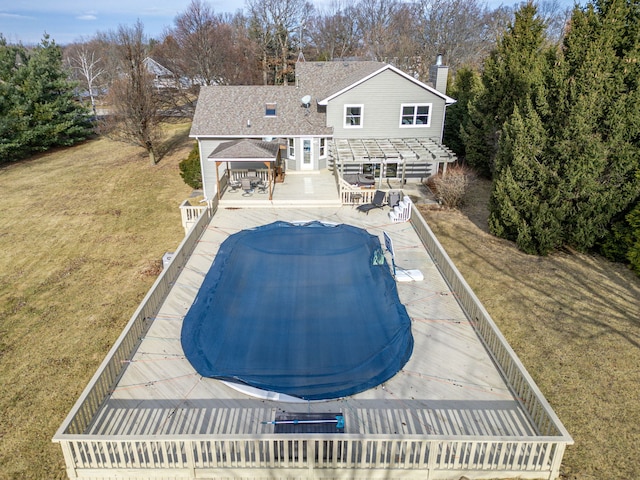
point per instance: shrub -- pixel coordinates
(451, 187)
(190, 169)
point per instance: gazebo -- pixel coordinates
(250, 153)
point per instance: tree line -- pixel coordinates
(257, 45)
(556, 126)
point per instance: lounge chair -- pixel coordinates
(377, 202)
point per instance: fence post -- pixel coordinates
(191, 461)
(431, 459)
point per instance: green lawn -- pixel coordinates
(82, 236)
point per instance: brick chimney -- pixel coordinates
(438, 74)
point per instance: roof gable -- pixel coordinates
(322, 79)
(448, 100)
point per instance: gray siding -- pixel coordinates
(209, 166)
(382, 96)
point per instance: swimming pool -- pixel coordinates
(308, 310)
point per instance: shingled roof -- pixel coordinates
(240, 111)
(323, 79)
(246, 149)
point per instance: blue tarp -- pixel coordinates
(309, 310)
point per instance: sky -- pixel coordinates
(67, 21)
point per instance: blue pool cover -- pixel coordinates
(308, 310)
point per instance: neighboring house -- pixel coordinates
(162, 76)
(165, 78)
(356, 116)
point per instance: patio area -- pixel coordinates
(317, 188)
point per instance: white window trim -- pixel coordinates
(291, 148)
(344, 116)
(322, 149)
(415, 112)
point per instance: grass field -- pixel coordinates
(81, 237)
(82, 234)
(574, 321)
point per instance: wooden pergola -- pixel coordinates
(247, 150)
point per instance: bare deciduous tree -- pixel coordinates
(334, 31)
(459, 29)
(198, 35)
(274, 25)
(88, 67)
(208, 48)
(135, 103)
(373, 17)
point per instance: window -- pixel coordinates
(323, 147)
(270, 110)
(353, 116)
(371, 169)
(415, 115)
(292, 148)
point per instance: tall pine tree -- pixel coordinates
(598, 121)
(12, 58)
(465, 89)
(524, 203)
(38, 106)
(513, 74)
(568, 156)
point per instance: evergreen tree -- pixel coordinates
(524, 204)
(38, 108)
(465, 88)
(11, 58)
(513, 74)
(622, 243)
(597, 144)
(568, 155)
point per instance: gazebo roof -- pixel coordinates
(246, 149)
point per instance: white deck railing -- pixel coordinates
(313, 455)
(307, 456)
(190, 215)
(352, 195)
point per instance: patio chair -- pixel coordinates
(246, 186)
(377, 202)
(235, 185)
(262, 186)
